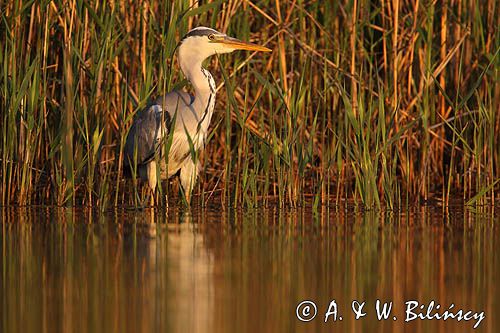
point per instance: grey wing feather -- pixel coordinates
(174, 101)
(145, 135)
(147, 131)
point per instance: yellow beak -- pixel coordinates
(237, 44)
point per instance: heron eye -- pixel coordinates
(211, 37)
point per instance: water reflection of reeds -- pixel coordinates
(225, 271)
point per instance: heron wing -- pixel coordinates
(151, 125)
(174, 101)
(145, 135)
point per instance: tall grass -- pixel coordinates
(380, 103)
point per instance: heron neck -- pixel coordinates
(202, 82)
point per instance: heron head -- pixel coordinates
(204, 42)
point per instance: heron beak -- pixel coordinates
(237, 44)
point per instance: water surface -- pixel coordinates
(215, 270)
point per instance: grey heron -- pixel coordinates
(179, 116)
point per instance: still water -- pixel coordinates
(215, 270)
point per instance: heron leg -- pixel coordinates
(151, 174)
(188, 175)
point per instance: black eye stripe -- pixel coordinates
(200, 32)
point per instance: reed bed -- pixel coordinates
(381, 103)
